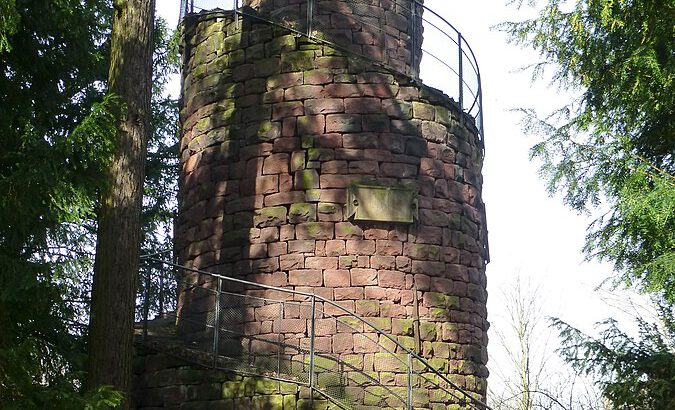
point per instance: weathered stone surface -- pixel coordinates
(275, 129)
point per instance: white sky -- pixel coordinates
(531, 235)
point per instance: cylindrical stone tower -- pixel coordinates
(319, 164)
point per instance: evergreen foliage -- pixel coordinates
(615, 144)
(634, 373)
(55, 141)
(56, 128)
(613, 147)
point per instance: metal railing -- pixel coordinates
(292, 336)
(439, 55)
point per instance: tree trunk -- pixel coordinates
(118, 243)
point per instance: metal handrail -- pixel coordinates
(464, 52)
(313, 298)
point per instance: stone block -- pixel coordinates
(276, 164)
(302, 92)
(333, 195)
(364, 167)
(342, 90)
(336, 278)
(311, 124)
(297, 61)
(315, 230)
(305, 277)
(270, 216)
(360, 247)
(362, 105)
(391, 279)
(306, 179)
(343, 123)
(348, 293)
(363, 277)
(324, 106)
(335, 248)
(320, 154)
(422, 251)
(287, 109)
(387, 247)
(284, 80)
(383, 262)
(423, 111)
(284, 198)
(375, 123)
(368, 308)
(323, 262)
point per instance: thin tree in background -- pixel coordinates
(117, 249)
(527, 375)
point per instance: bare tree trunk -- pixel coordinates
(117, 248)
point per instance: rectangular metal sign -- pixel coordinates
(381, 203)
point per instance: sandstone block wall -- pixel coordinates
(387, 31)
(274, 130)
(162, 381)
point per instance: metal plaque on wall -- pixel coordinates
(381, 203)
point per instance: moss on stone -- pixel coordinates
(313, 195)
(427, 331)
(443, 115)
(329, 379)
(350, 322)
(303, 212)
(268, 402)
(281, 43)
(290, 402)
(307, 141)
(407, 341)
(322, 364)
(307, 179)
(329, 208)
(402, 327)
(233, 389)
(382, 323)
(297, 60)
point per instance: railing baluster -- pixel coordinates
(312, 330)
(413, 47)
(310, 17)
(280, 339)
(216, 323)
(410, 395)
(146, 303)
(460, 75)
(161, 294)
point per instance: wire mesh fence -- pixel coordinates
(403, 35)
(284, 334)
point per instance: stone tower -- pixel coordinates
(314, 160)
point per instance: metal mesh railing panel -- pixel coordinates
(294, 336)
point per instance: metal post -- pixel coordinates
(161, 293)
(410, 396)
(216, 322)
(280, 339)
(146, 305)
(480, 107)
(311, 345)
(413, 46)
(310, 17)
(461, 75)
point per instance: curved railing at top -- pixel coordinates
(441, 57)
(230, 317)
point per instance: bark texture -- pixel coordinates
(117, 250)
